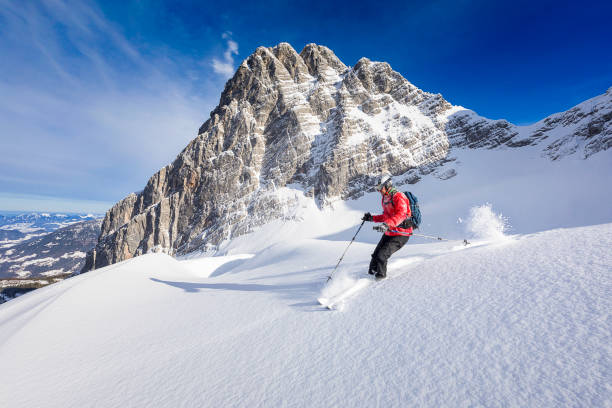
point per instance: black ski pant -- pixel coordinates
(386, 247)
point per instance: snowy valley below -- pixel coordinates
(38, 249)
(520, 317)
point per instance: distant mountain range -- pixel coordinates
(37, 249)
(43, 220)
(17, 226)
(57, 254)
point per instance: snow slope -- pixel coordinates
(519, 322)
(511, 320)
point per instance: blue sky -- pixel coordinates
(98, 95)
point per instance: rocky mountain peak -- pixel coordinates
(319, 59)
(291, 127)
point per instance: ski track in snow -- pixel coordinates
(516, 322)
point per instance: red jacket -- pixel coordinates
(396, 208)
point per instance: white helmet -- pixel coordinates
(384, 181)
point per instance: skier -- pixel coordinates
(395, 224)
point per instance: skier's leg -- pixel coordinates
(374, 261)
(391, 245)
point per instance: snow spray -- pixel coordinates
(485, 224)
(341, 281)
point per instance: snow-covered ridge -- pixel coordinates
(584, 130)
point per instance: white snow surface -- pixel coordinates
(524, 322)
(518, 318)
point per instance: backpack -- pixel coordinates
(415, 219)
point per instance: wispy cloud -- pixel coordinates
(84, 113)
(225, 66)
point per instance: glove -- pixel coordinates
(381, 228)
(367, 217)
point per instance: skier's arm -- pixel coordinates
(378, 218)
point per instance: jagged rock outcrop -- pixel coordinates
(304, 120)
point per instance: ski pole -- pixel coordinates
(340, 260)
(465, 241)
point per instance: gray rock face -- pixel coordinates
(286, 122)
